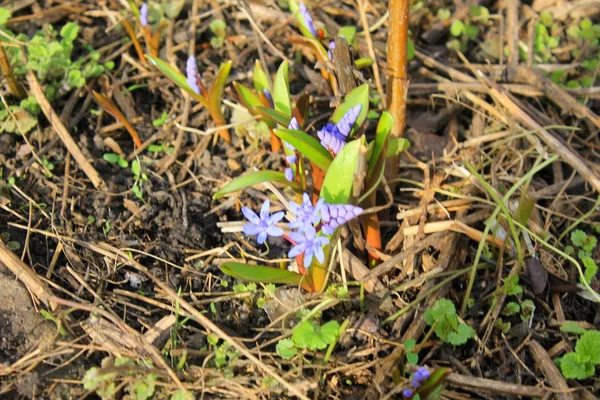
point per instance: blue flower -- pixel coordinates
(263, 225)
(191, 70)
(144, 14)
(306, 214)
(408, 392)
(289, 174)
(333, 137)
(334, 215)
(308, 21)
(310, 244)
(422, 374)
(331, 46)
(268, 96)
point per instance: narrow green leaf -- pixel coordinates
(248, 98)
(273, 115)
(281, 91)
(251, 179)
(111, 158)
(363, 62)
(337, 185)
(526, 205)
(360, 95)
(261, 273)
(307, 146)
(386, 122)
(261, 81)
(435, 380)
(176, 77)
(216, 90)
(397, 146)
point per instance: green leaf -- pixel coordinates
(248, 98)
(546, 18)
(111, 158)
(591, 269)
(386, 122)
(307, 145)
(281, 91)
(160, 121)
(573, 367)
(511, 308)
(348, 33)
(397, 146)
(251, 179)
(4, 15)
(410, 49)
(143, 388)
(412, 358)
(460, 337)
(176, 77)
(135, 168)
(216, 90)
(457, 28)
(295, 9)
(260, 79)
(69, 31)
(122, 162)
(261, 273)
(360, 95)
(526, 205)
(311, 336)
(218, 27)
(588, 346)
(578, 237)
(572, 327)
(410, 344)
(273, 115)
(285, 349)
(337, 185)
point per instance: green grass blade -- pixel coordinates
(307, 145)
(252, 179)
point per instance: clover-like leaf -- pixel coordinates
(286, 349)
(588, 346)
(313, 337)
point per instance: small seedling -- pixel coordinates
(444, 321)
(114, 158)
(219, 28)
(103, 380)
(586, 245)
(160, 121)
(581, 364)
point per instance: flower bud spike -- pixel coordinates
(191, 70)
(144, 15)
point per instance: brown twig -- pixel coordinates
(61, 131)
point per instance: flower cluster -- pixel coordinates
(291, 158)
(333, 137)
(309, 231)
(420, 376)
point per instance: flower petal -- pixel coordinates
(250, 215)
(295, 251)
(264, 211)
(275, 218)
(274, 231)
(251, 229)
(262, 237)
(320, 255)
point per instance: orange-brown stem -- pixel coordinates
(113, 110)
(217, 116)
(135, 41)
(372, 228)
(318, 176)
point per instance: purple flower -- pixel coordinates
(331, 47)
(268, 96)
(308, 21)
(408, 392)
(422, 374)
(289, 174)
(415, 383)
(144, 14)
(294, 124)
(306, 214)
(334, 137)
(310, 244)
(191, 70)
(292, 158)
(263, 225)
(334, 215)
